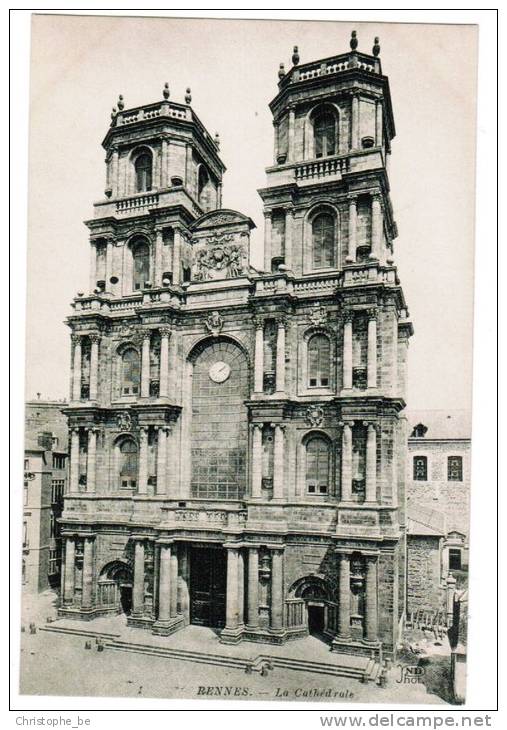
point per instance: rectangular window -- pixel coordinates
(52, 562)
(57, 490)
(454, 559)
(455, 469)
(420, 468)
(27, 464)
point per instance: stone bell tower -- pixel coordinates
(330, 281)
(333, 126)
(163, 171)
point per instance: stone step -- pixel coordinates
(360, 668)
(368, 672)
(79, 632)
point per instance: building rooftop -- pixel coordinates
(425, 521)
(441, 424)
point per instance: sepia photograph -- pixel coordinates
(249, 330)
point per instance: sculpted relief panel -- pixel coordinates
(220, 256)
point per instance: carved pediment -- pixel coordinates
(224, 217)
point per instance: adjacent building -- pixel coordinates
(45, 476)
(237, 437)
(438, 503)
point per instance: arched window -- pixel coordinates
(128, 464)
(317, 465)
(141, 256)
(323, 237)
(319, 361)
(324, 134)
(131, 372)
(143, 166)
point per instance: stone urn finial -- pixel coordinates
(353, 40)
(121, 104)
(188, 96)
(217, 140)
(165, 91)
(376, 46)
(295, 56)
(281, 71)
(113, 113)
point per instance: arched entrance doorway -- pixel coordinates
(115, 587)
(318, 597)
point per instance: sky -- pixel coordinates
(80, 64)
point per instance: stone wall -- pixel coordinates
(423, 565)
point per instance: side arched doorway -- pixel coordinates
(115, 587)
(317, 596)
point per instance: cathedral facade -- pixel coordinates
(237, 438)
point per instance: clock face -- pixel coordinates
(219, 372)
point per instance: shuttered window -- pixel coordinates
(317, 466)
(319, 355)
(323, 237)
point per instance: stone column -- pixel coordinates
(279, 461)
(344, 597)
(74, 461)
(114, 173)
(76, 368)
(376, 228)
(138, 588)
(164, 164)
(275, 142)
(70, 566)
(91, 460)
(354, 137)
(301, 469)
(289, 230)
(267, 241)
(94, 365)
(109, 264)
(372, 349)
(292, 119)
(259, 355)
(378, 124)
(157, 279)
(347, 350)
(346, 486)
(177, 256)
(280, 356)
(86, 595)
(165, 334)
(164, 584)
(126, 277)
(161, 459)
(371, 463)
(145, 366)
(173, 597)
(253, 587)
(256, 461)
(231, 620)
(394, 354)
(143, 460)
(371, 598)
(93, 267)
(241, 588)
(277, 602)
(351, 256)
